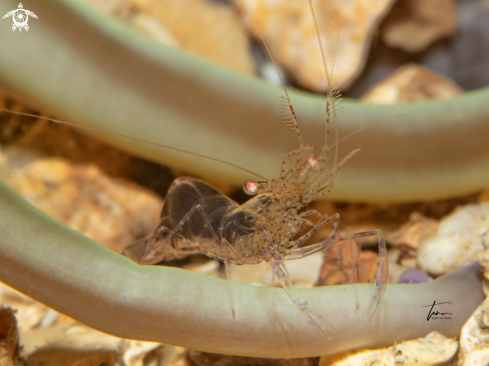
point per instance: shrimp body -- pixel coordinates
(302, 179)
(233, 233)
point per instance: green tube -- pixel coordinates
(95, 71)
(76, 276)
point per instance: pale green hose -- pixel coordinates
(76, 276)
(95, 71)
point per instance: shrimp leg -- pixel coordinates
(313, 317)
(319, 225)
(310, 213)
(382, 268)
(382, 263)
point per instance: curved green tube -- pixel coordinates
(95, 71)
(71, 273)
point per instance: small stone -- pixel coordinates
(459, 238)
(9, 339)
(201, 27)
(409, 263)
(409, 235)
(303, 272)
(411, 83)
(395, 269)
(85, 346)
(434, 349)
(153, 28)
(474, 340)
(345, 26)
(34, 314)
(209, 267)
(48, 342)
(208, 359)
(477, 357)
(343, 266)
(413, 25)
(210, 30)
(413, 276)
(483, 258)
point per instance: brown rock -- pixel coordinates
(345, 264)
(9, 339)
(68, 343)
(209, 359)
(434, 349)
(409, 235)
(412, 83)
(474, 340)
(457, 242)
(201, 27)
(33, 313)
(413, 25)
(74, 344)
(209, 30)
(345, 26)
(304, 272)
(114, 213)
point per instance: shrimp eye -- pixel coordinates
(252, 187)
(312, 160)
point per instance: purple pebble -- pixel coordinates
(414, 276)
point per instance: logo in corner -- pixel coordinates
(20, 17)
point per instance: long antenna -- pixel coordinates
(291, 109)
(133, 139)
(330, 97)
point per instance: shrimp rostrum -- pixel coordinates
(196, 218)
